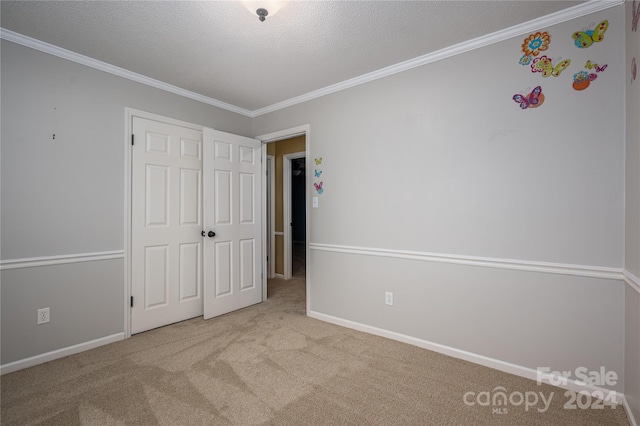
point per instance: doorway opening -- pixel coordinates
(288, 199)
(298, 217)
(287, 228)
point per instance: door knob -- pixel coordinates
(211, 234)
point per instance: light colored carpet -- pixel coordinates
(269, 364)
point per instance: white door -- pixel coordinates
(166, 241)
(233, 211)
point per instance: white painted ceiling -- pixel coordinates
(220, 50)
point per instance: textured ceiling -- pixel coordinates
(220, 50)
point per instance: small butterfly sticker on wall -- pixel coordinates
(583, 79)
(318, 187)
(532, 100)
(544, 65)
(590, 65)
(317, 173)
(635, 16)
(584, 39)
(318, 161)
(633, 70)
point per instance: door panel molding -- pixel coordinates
(166, 202)
(233, 267)
(186, 150)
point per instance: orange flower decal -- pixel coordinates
(536, 43)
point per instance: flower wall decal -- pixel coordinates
(536, 43)
(526, 59)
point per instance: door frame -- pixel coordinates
(288, 133)
(286, 208)
(271, 212)
(129, 114)
(279, 135)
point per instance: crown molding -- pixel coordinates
(559, 17)
(112, 69)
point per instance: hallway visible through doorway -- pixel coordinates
(298, 268)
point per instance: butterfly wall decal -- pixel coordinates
(635, 16)
(584, 39)
(317, 173)
(590, 65)
(633, 69)
(532, 100)
(544, 65)
(318, 161)
(318, 187)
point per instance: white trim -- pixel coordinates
(627, 409)
(278, 234)
(631, 279)
(271, 208)
(286, 209)
(285, 134)
(59, 353)
(496, 364)
(479, 42)
(265, 229)
(32, 262)
(447, 52)
(112, 69)
(519, 265)
(278, 276)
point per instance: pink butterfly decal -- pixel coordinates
(318, 187)
(598, 68)
(532, 100)
(636, 16)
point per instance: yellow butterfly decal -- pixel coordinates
(318, 161)
(584, 39)
(544, 65)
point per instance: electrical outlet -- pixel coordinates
(388, 298)
(43, 316)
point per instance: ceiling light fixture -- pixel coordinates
(262, 14)
(264, 8)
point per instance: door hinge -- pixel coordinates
(132, 301)
(267, 258)
(132, 143)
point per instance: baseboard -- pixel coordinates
(496, 364)
(278, 276)
(59, 353)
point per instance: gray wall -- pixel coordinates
(632, 235)
(66, 196)
(439, 159)
(479, 177)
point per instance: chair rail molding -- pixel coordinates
(32, 262)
